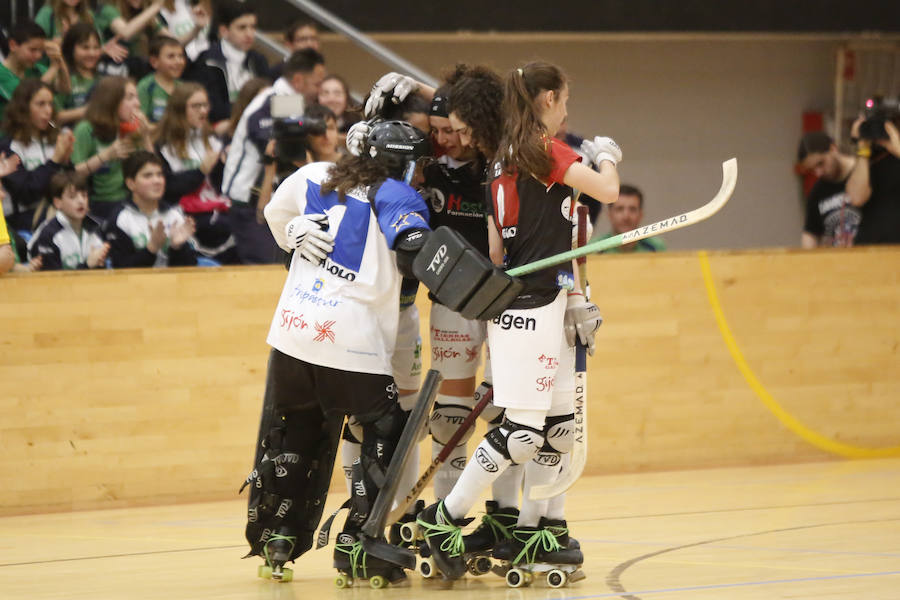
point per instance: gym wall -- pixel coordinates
(140, 387)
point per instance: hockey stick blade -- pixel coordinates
(729, 180)
(441, 458)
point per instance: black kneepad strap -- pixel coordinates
(463, 279)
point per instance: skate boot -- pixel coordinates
(445, 540)
(536, 550)
(560, 529)
(277, 552)
(496, 526)
(352, 562)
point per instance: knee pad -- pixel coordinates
(518, 443)
(446, 419)
(559, 433)
(380, 436)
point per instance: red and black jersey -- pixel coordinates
(535, 221)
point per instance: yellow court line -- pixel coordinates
(813, 437)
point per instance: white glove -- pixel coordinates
(393, 85)
(602, 148)
(308, 235)
(356, 137)
(582, 318)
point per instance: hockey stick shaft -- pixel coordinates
(441, 458)
(729, 180)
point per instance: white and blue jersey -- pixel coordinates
(343, 314)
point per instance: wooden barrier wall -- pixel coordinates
(144, 386)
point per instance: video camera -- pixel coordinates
(877, 112)
(291, 129)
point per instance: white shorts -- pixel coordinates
(406, 362)
(533, 367)
(455, 343)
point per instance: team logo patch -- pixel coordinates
(458, 463)
(437, 200)
(324, 331)
(318, 285)
(486, 462)
(566, 208)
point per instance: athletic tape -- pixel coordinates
(812, 437)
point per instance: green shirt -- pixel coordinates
(108, 183)
(153, 98)
(9, 81)
(653, 244)
(137, 44)
(81, 91)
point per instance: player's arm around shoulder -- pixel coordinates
(288, 201)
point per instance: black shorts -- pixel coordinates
(293, 384)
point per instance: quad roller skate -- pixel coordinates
(444, 539)
(352, 562)
(277, 552)
(496, 525)
(536, 551)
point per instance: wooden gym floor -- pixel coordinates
(820, 530)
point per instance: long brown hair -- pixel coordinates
(103, 107)
(58, 7)
(17, 120)
(525, 141)
(351, 172)
(173, 129)
(476, 96)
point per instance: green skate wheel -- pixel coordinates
(556, 578)
(377, 582)
(515, 578)
(264, 571)
(343, 581)
(287, 575)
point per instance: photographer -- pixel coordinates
(874, 183)
(285, 153)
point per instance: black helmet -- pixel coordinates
(397, 145)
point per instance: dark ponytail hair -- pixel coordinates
(526, 142)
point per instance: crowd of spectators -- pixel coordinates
(132, 132)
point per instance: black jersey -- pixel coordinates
(456, 197)
(535, 221)
(881, 214)
(829, 214)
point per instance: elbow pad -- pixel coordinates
(407, 245)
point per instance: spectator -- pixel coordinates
(43, 151)
(324, 147)
(193, 170)
(188, 23)
(113, 128)
(141, 231)
(335, 94)
(248, 92)
(875, 184)
(57, 16)
(81, 51)
(626, 214)
(303, 73)
(300, 35)
(26, 45)
(229, 62)
(831, 217)
(71, 239)
(167, 60)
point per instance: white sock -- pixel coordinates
(448, 473)
(556, 508)
(349, 452)
(506, 488)
(483, 469)
(536, 474)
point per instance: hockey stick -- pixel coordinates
(729, 179)
(570, 473)
(428, 475)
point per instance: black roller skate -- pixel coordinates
(537, 550)
(277, 551)
(445, 540)
(496, 525)
(352, 562)
(403, 532)
(560, 529)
